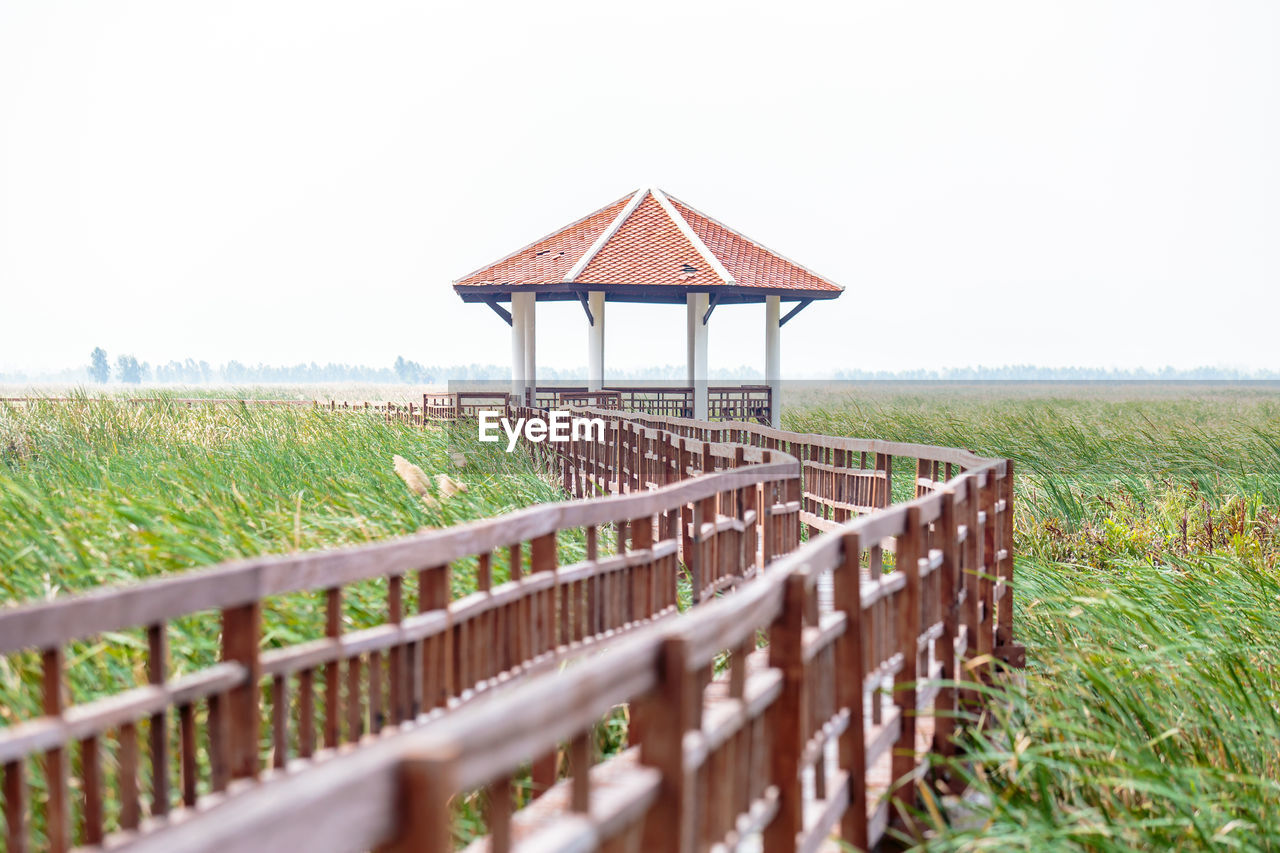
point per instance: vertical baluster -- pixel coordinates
(377, 713)
(787, 716)
(333, 631)
(945, 704)
(850, 682)
(907, 621)
(437, 652)
(645, 589)
(57, 820)
(355, 718)
(219, 742)
(1004, 629)
(157, 673)
(398, 695)
(15, 807)
(280, 721)
(127, 780)
(986, 565)
(91, 776)
(188, 746)
(593, 584)
(306, 713)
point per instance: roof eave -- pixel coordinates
(660, 292)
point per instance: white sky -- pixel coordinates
(1064, 183)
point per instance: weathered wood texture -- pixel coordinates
(795, 740)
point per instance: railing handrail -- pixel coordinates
(954, 455)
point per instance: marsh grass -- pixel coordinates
(99, 493)
(1146, 590)
(1148, 598)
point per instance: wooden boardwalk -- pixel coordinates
(784, 708)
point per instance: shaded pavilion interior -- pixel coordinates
(645, 247)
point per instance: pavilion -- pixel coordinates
(645, 247)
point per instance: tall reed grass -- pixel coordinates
(98, 493)
(1148, 598)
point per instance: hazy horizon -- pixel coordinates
(994, 183)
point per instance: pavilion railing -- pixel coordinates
(724, 402)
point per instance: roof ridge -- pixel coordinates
(605, 236)
(533, 243)
(692, 236)
(757, 243)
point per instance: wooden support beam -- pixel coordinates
(800, 306)
(711, 306)
(582, 297)
(499, 310)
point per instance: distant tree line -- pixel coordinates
(1024, 372)
(127, 369)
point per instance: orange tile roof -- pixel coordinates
(650, 240)
(548, 259)
(649, 249)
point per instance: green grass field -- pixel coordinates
(1147, 592)
(102, 493)
(1147, 596)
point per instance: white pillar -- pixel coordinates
(595, 342)
(531, 343)
(696, 351)
(773, 355)
(517, 345)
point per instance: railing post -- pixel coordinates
(58, 810)
(945, 706)
(850, 682)
(425, 816)
(787, 718)
(542, 558)
(907, 618)
(241, 632)
(674, 708)
(972, 560)
(987, 566)
(157, 671)
(793, 519)
(1009, 651)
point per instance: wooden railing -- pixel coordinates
(854, 688)
(724, 402)
(394, 674)
(820, 729)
